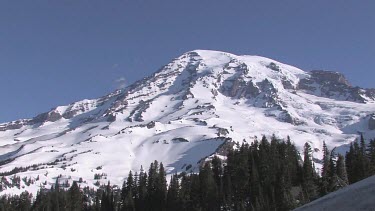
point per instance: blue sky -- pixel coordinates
(56, 52)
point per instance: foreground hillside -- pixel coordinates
(358, 196)
(195, 106)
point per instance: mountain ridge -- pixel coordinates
(184, 113)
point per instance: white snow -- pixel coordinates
(188, 99)
(358, 196)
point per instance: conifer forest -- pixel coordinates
(264, 175)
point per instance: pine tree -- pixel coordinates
(96, 205)
(55, 192)
(161, 188)
(24, 201)
(325, 170)
(142, 190)
(256, 190)
(217, 169)
(208, 188)
(309, 176)
(341, 169)
(363, 159)
(357, 161)
(371, 157)
(283, 197)
(227, 190)
(123, 196)
(127, 198)
(42, 201)
(185, 191)
(238, 168)
(75, 197)
(129, 204)
(256, 177)
(335, 181)
(349, 162)
(151, 186)
(107, 201)
(173, 202)
(195, 193)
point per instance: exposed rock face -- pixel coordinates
(274, 67)
(371, 122)
(13, 125)
(151, 125)
(334, 85)
(70, 114)
(51, 116)
(222, 132)
(251, 90)
(201, 103)
(330, 77)
(111, 118)
(285, 116)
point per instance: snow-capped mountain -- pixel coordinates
(193, 107)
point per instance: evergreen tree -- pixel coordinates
(283, 196)
(309, 176)
(260, 176)
(42, 201)
(371, 157)
(357, 161)
(55, 199)
(363, 160)
(127, 197)
(161, 188)
(195, 193)
(325, 170)
(24, 201)
(350, 162)
(107, 201)
(185, 192)
(75, 198)
(208, 188)
(227, 190)
(173, 202)
(341, 169)
(142, 190)
(151, 186)
(217, 169)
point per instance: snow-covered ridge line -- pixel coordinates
(180, 115)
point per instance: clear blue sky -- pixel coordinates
(56, 52)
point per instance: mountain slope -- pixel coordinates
(358, 196)
(191, 108)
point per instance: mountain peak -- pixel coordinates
(197, 105)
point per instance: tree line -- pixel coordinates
(263, 175)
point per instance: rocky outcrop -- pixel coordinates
(334, 85)
(273, 67)
(330, 77)
(150, 125)
(268, 94)
(13, 125)
(111, 118)
(70, 114)
(222, 132)
(51, 116)
(251, 90)
(285, 116)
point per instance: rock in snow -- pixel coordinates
(203, 99)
